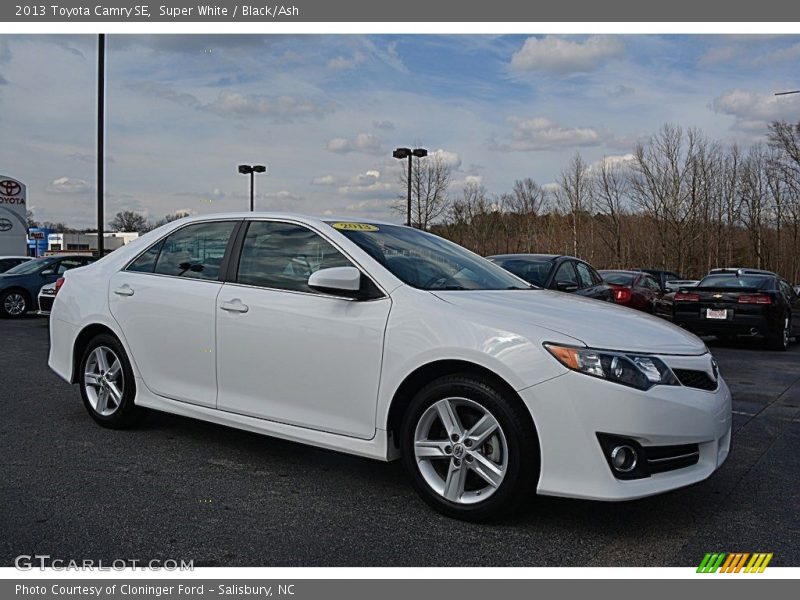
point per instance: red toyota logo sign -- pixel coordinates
(9, 187)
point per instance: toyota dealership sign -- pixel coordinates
(13, 217)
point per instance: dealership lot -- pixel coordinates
(181, 489)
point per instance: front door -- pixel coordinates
(288, 353)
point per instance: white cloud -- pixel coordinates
(341, 63)
(541, 133)
(363, 142)
(451, 159)
(238, 105)
(753, 111)
(560, 55)
(69, 185)
(613, 160)
(368, 183)
(326, 180)
(384, 125)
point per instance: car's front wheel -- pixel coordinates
(14, 304)
(471, 450)
(107, 385)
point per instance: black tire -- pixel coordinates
(8, 296)
(522, 468)
(126, 414)
(780, 340)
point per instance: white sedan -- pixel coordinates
(388, 342)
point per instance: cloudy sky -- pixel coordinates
(324, 112)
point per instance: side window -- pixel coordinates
(584, 274)
(566, 274)
(283, 255)
(787, 290)
(195, 251)
(146, 263)
(69, 263)
(651, 283)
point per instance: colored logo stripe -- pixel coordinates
(734, 562)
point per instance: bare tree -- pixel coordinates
(128, 220)
(611, 183)
(574, 196)
(525, 203)
(430, 180)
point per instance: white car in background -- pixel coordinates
(47, 296)
(385, 341)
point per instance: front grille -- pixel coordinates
(695, 379)
(668, 458)
(45, 304)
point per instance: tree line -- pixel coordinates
(680, 202)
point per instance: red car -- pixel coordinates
(635, 289)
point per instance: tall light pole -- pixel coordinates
(101, 123)
(252, 170)
(401, 154)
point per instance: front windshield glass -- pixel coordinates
(28, 267)
(425, 261)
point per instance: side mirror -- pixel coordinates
(564, 286)
(344, 281)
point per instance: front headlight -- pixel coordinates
(638, 371)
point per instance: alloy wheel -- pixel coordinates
(460, 450)
(104, 381)
(14, 304)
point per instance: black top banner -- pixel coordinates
(187, 11)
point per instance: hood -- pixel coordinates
(597, 324)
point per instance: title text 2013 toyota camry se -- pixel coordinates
(389, 342)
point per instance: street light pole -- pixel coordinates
(101, 93)
(252, 170)
(403, 153)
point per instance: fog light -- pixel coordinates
(623, 458)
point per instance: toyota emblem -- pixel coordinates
(9, 187)
(5, 225)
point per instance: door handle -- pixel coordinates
(235, 306)
(124, 290)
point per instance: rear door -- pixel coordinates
(591, 284)
(165, 304)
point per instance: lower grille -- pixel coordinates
(668, 458)
(695, 379)
(46, 304)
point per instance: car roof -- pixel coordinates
(533, 257)
(281, 215)
(16, 257)
(623, 271)
(739, 271)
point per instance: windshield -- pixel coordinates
(532, 271)
(29, 267)
(617, 278)
(425, 261)
(733, 282)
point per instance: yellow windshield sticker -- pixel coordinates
(355, 227)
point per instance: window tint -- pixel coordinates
(733, 281)
(283, 256)
(532, 272)
(195, 251)
(566, 274)
(787, 290)
(584, 274)
(617, 278)
(146, 263)
(651, 283)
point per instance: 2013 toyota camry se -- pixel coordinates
(388, 342)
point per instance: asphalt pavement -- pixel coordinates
(176, 488)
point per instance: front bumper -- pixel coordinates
(570, 410)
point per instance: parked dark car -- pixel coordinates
(9, 262)
(637, 289)
(556, 272)
(19, 287)
(727, 304)
(662, 277)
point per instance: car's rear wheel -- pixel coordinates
(780, 340)
(14, 304)
(471, 451)
(107, 386)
